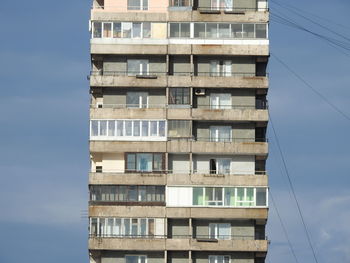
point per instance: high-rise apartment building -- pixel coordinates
(178, 120)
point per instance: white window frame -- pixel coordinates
(218, 97)
(245, 197)
(216, 258)
(102, 227)
(140, 104)
(141, 7)
(131, 137)
(214, 133)
(236, 203)
(103, 29)
(217, 165)
(216, 227)
(141, 65)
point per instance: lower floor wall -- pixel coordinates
(173, 257)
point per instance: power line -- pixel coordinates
(314, 15)
(332, 105)
(292, 188)
(290, 9)
(288, 22)
(283, 227)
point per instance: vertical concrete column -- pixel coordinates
(191, 62)
(165, 256)
(190, 161)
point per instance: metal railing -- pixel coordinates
(188, 5)
(259, 106)
(196, 237)
(129, 106)
(180, 172)
(225, 140)
(165, 73)
(171, 106)
(229, 9)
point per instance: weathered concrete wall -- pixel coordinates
(178, 212)
(157, 244)
(175, 16)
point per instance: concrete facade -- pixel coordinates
(178, 119)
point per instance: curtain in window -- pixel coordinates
(224, 231)
(228, 4)
(223, 166)
(127, 29)
(107, 30)
(220, 101)
(220, 133)
(144, 162)
(227, 70)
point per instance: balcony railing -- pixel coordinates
(197, 237)
(262, 106)
(164, 73)
(227, 140)
(181, 172)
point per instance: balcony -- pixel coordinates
(168, 177)
(241, 113)
(177, 212)
(178, 79)
(124, 79)
(127, 146)
(150, 244)
(243, 146)
(113, 111)
(236, 146)
(163, 243)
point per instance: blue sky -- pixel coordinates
(44, 134)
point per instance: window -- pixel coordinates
(220, 134)
(220, 230)
(199, 30)
(219, 259)
(261, 196)
(220, 101)
(127, 193)
(127, 27)
(128, 130)
(97, 30)
(213, 196)
(179, 3)
(260, 31)
(212, 30)
(245, 197)
(179, 128)
(180, 30)
(248, 30)
(237, 30)
(144, 162)
(230, 196)
(137, 67)
(107, 30)
(221, 68)
(136, 99)
(117, 30)
(220, 166)
(146, 30)
(224, 31)
(137, 4)
(221, 4)
(179, 96)
(136, 30)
